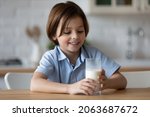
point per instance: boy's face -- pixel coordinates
(72, 37)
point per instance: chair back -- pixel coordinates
(17, 80)
(137, 79)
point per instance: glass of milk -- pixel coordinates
(92, 71)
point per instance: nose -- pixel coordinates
(75, 35)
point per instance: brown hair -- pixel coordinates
(64, 11)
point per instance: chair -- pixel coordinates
(137, 79)
(17, 80)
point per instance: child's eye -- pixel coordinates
(67, 32)
(80, 31)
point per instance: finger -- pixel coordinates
(103, 72)
(83, 92)
(87, 90)
(90, 85)
(89, 80)
(102, 85)
(92, 81)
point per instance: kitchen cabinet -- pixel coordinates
(119, 6)
(146, 6)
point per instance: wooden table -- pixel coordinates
(127, 94)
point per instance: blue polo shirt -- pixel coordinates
(56, 66)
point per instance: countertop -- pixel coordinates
(134, 62)
(4, 69)
(126, 65)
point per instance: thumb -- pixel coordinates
(102, 74)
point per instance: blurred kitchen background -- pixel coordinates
(119, 28)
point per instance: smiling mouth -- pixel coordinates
(74, 43)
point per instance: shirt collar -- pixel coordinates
(62, 56)
(84, 54)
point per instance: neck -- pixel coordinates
(73, 57)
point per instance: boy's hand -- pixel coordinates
(85, 86)
(102, 79)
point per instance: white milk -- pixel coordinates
(92, 74)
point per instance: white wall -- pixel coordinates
(109, 33)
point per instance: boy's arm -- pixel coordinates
(116, 81)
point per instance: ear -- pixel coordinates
(54, 38)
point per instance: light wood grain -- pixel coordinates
(130, 69)
(127, 94)
(3, 71)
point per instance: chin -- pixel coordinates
(75, 49)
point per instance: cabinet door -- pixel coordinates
(100, 6)
(127, 6)
(146, 6)
(113, 6)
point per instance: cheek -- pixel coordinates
(62, 40)
(82, 37)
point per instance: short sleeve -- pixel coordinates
(46, 64)
(109, 65)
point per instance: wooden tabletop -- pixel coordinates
(110, 94)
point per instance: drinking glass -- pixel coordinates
(93, 70)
